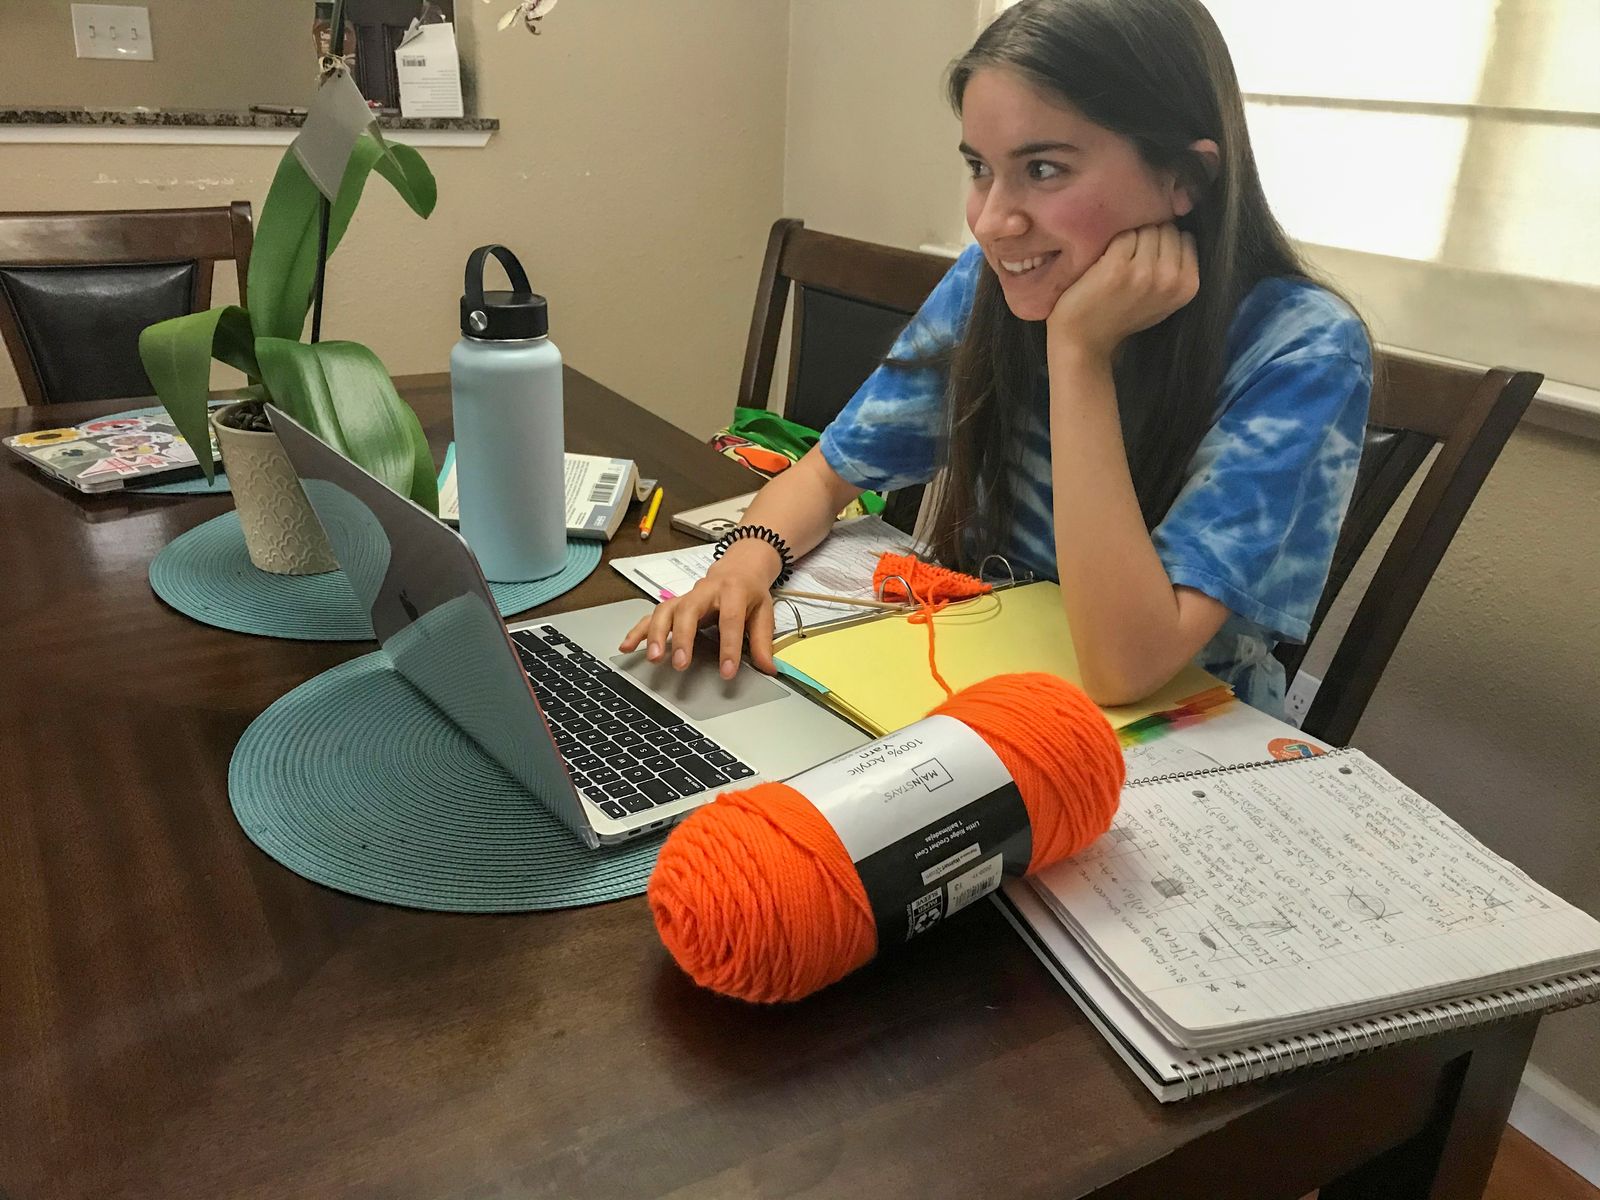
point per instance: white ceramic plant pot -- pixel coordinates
(281, 531)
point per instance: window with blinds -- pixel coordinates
(1440, 159)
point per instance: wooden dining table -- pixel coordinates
(181, 1016)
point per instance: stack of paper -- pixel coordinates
(841, 566)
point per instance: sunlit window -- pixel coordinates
(1460, 131)
(1374, 181)
(1404, 50)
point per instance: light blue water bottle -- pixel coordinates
(505, 385)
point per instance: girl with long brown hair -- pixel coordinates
(1129, 383)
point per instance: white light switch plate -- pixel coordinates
(112, 31)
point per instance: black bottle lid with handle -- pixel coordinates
(516, 315)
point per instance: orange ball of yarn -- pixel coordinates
(755, 896)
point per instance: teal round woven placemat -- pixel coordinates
(420, 816)
(206, 574)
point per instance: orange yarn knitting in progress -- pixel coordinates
(755, 896)
(931, 584)
(931, 588)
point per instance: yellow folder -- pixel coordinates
(875, 672)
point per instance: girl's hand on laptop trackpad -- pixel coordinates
(700, 693)
(733, 596)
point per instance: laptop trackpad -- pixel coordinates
(701, 692)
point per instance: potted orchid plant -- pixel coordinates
(337, 389)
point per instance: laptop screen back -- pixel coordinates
(433, 614)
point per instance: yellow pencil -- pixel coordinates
(649, 522)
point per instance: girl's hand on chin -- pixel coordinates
(1144, 276)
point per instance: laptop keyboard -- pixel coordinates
(626, 751)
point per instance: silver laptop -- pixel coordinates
(614, 746)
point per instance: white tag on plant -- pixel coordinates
(337, 118)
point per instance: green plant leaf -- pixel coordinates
(176, 354)
(234, 342)
(343, 394)
(284, 258)
(283, 262)
(404, 168)
(424, 473)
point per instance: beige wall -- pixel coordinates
(895, 176)
(208, 54)
(638, 168)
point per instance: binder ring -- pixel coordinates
(903, 581)
(1011, 574)
(794, 609)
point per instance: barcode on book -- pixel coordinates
(413, 60)
(607, 485)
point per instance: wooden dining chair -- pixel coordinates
(1417, 406)
(852, 299)
(76, 289)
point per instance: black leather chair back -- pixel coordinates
(80, 325)
(77, 289)
(841, 341)
(852, 299)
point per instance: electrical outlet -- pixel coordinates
(1298, 702)
(112, 31)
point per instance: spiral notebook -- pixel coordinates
(1243, 921)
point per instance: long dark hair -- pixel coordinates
(1158, 73)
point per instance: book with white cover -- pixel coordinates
(598, 493)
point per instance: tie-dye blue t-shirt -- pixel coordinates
(1255, 523)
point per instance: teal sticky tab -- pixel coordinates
(449, 463)
(799, 677)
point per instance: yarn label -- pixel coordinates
(929, 816)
